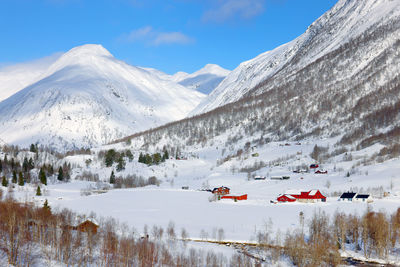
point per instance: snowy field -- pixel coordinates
(192, 209)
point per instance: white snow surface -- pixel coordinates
(204, 80)
(87, 97)
(346, 20)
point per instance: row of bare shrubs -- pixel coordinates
(374, 234)
(32, 236)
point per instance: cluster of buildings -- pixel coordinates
(352, 196)
(311, 196)
(222, 192)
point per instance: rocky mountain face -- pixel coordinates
(371, 23)
(341, 79)
(87, 97)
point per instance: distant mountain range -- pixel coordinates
(204, 80)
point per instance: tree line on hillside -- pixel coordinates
(14, 172)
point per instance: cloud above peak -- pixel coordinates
(150, 36)
(223, 10)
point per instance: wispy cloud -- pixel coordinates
(151, 36)
(223, 10)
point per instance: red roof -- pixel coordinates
(291, 197)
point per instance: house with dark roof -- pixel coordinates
(363, 198)
(347, 196)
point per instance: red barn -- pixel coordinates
(223, 190)
(314, 166)
(242, 197)
(302, 196)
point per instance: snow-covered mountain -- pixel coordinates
(204, 80)
(336, 29)
(340, 79)
(87, 97)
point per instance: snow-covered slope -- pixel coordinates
(87, 97)
(16, 77)
(204, 80)
(347, 20)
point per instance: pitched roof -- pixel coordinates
(362, 196)
(348, 195)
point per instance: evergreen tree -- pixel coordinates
(156, 158)
(112, 178)
(42, 176)
(141, 158)
(31, 164)
(38, 191)
(165, 155)
(129, 155)
(121, 164)
(1, 166)
(14, 177)
(33, 148)
(60, 176)
(4, 181)
(148, 159)
(21, 181)
(110, 157)
(25, 165)
(46, 206)
(5, 160)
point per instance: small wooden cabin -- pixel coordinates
(88, 226)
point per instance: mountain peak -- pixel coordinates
(88, 49)
(213, 69)
(93, 55)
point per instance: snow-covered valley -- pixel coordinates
(196, 211)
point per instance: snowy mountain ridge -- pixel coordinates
(204, 80)
(89, 98)
(347, 20)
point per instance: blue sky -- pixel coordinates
(169, 35)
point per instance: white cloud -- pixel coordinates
(223, 10)
(172, 38)
(152, 37)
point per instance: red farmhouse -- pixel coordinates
(223, 190)
(302, 196)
